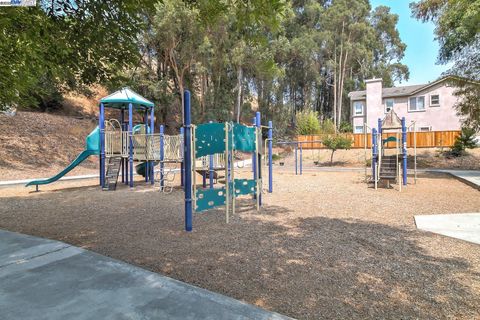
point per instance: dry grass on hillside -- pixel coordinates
(36, 144)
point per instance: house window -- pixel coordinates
(388, 105)
(358, 108)
(416, 104)
(358, 129)
(434, 100)
(425, 129)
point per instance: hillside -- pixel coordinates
(34, 145)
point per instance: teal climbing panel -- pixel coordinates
(244, 138)
(210, 198)
(244, 187)
(210, 139)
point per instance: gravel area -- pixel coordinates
(323, 246)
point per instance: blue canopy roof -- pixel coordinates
(123, 97)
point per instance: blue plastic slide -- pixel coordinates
(92, 148)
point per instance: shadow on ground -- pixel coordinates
(308, 268)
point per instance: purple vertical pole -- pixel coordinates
(270, 157)
(152, 128)
(182, 165)
(188, 161)
(162, 155)
(130, 149)
(101, 120)
(404, 152)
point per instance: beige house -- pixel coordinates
(430, 106)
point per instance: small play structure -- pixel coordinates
(389, 164)
(212, 146)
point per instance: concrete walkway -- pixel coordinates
(464, 226)
(46, 279)
(471, 177)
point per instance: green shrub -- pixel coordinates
(276, 157)
(466, 140)
(345, 127)
(335, 143)
(327, 127)
(307, 122)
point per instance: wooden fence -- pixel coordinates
(430, 139)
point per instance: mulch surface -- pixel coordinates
(324, 245)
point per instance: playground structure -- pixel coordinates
(212, 146)
(207, 149)
(391, 167)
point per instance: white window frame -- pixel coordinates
(385, 104)
(355, 129)
(434, 105)
(420, 129)
(355, 111)
(416, 99)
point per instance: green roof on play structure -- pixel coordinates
(123, 97)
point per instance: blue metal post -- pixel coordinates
(162, 154)
(182, 165)
(125, 160)
(122, 163)
(374, 152)
(130, 149)
(404, 152)
(188, 161)
(147, 163)
(254, 164)
(258, 123)
(152, 128)
(270, 156)
(101, 124)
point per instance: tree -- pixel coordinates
(307, 122)
(65, 44)
(458, 31)
(336, 142)
(466, 140)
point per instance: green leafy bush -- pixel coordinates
(345, 127)
(307, 122)
(466, 140)
(335, 143)
(327, 127)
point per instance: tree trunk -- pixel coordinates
(239, 92)
(331, 158)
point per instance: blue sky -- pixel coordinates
(422, 49)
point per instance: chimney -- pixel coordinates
(374, 100)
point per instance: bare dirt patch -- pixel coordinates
(323, 246)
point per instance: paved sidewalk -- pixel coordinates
(464, 226)
(46, 279)
(471, 177)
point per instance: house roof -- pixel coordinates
(123, 97)
(396, 91)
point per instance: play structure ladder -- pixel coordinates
(388, 167)
(113, 168)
